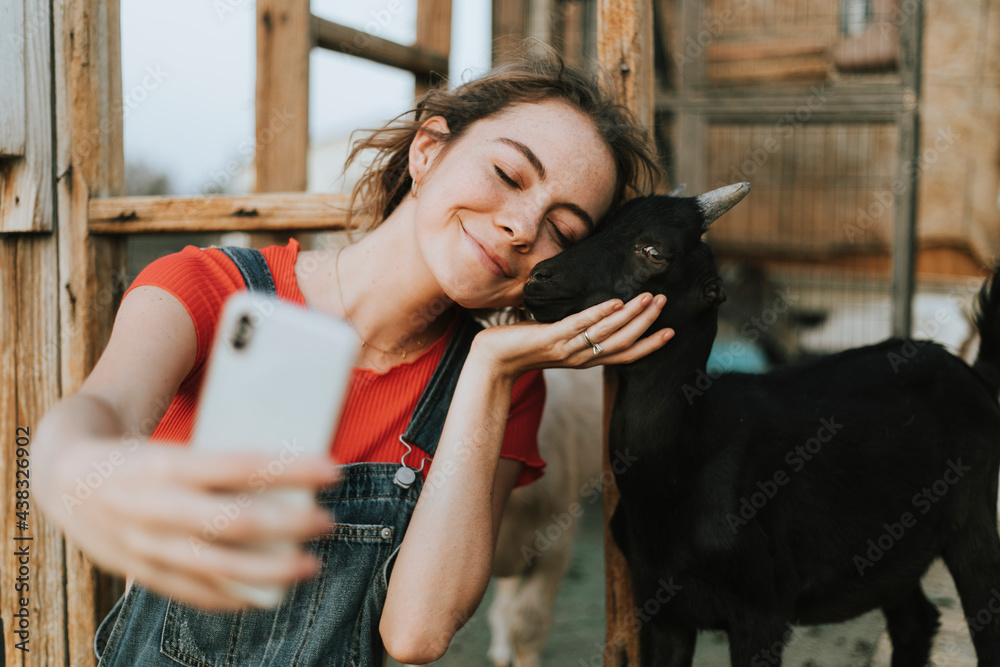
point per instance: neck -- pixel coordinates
(389, 293)
(656, 393)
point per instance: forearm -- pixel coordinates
(444, 563)
(73, 428)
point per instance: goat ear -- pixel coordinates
(713, 204)
(714, 293)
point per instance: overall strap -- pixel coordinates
(251, 264)
(424, 429)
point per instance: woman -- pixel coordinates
(485, 182)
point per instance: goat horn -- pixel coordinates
(713, 204)
(676, 191)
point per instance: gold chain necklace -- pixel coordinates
(340, 293)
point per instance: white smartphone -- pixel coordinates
(276, 382)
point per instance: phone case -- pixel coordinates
(276, 380)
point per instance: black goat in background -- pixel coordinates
(808, 495)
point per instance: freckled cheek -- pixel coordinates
(472, 190)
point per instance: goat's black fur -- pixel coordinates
(808, 495)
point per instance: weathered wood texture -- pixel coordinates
(284, 39)
(26, 182)
(12, 111)
(89, 162)
(354, 42)
(625, 49)
(9, 421)
(282, 140)
(433, 36)
(29, 355)
(264, 212)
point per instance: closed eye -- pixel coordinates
(506, 179)
(563, 240)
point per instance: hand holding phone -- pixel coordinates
(276, 383)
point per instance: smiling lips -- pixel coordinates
(491, 260)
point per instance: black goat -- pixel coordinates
(807, 495)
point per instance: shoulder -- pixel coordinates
(201, 279)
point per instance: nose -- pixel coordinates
(520, 227)
(540, 276)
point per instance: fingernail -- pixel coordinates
(668, 334)
(646, 298)
(618, 305)
(661, 301)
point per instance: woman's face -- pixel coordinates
(516, 189)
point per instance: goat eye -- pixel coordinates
(654, 255)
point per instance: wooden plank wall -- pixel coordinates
(58, 298)
(29, 379)
(625, 49)
(12, 112)
(26, 182)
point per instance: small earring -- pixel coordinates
(413, 189)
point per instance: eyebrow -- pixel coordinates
(530, 156)
(527, 153)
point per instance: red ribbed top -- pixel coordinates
(378, 405)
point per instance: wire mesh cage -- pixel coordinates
(809, 101)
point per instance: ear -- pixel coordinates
(425, 147)
(714, 293)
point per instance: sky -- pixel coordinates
(188, 73)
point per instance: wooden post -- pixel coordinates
(434, 36)
(510, 21)
(92, 270)
(284, 40)
(625, 49)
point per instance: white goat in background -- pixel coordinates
(539, 523)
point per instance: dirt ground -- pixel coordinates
(577, 637)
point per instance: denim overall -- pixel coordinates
(331, 619)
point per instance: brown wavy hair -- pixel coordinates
(521, 78)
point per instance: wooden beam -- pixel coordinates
(625, 49)
(90, 162)
(26, 182)
(353, 42)
(433, 36)
(282, 109)
(510, 24)
(12, 111)
(284, 40)
(247, 213)
(541, 16)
